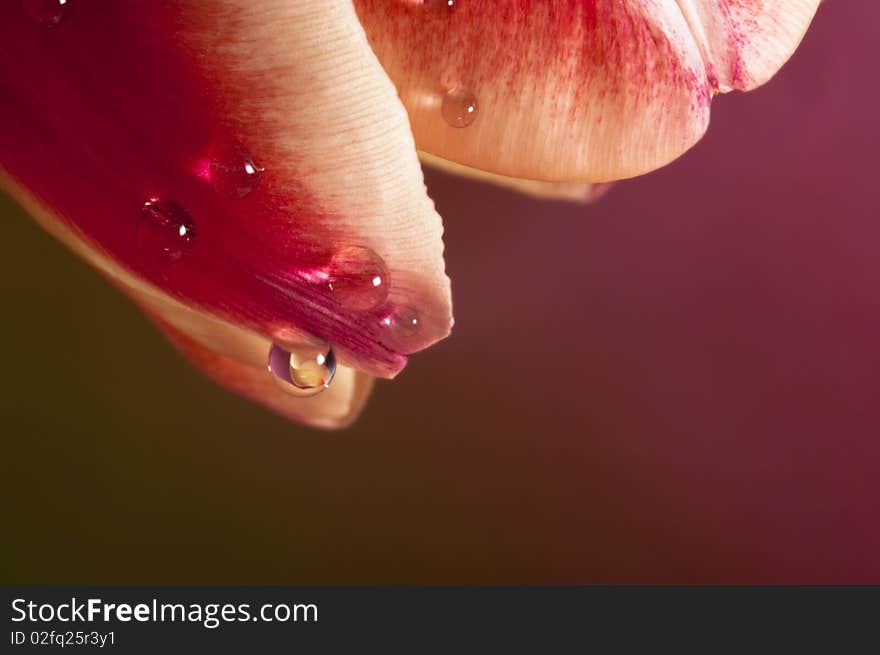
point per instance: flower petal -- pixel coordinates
(578, 192)
(575, 90)
(121, 103)
(337, 407)
(227, 353)
(744, 42)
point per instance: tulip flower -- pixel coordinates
(248, 171)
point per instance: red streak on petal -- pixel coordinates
(622, 80)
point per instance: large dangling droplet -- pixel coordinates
(165, 232)
(304, 371)
(358, 278)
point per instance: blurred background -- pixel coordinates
(676, 384)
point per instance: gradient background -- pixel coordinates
(677, 384)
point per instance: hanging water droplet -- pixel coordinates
(234, 172)
(358, 278)
(47, 12)
(444, 6)
(459, 107)
(165, 232)
(304, 371)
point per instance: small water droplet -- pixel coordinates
(444, 6)
(403, 324)
(303, 371)
(234, 172)
(459, 107)
(166, 231)
(47, 12)
(358, 278)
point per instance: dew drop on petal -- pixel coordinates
(234, 171)
(358, 278)
(303, 371)
(403, 325)
(48, 12)
(439, 6)
(165, 232)
(459, 107)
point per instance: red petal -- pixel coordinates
(123, 102)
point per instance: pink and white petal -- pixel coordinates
(232, 356)
(576, 90)
(122, 102)
(744, 42)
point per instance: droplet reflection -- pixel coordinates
(304, 371)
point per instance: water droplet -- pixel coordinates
(47, 12)
(459, 107)
(166, 231)
(303, 371)
(358, 278)
(403, 325)
(444, 6)
(234, 172)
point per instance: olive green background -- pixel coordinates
(676, 384)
